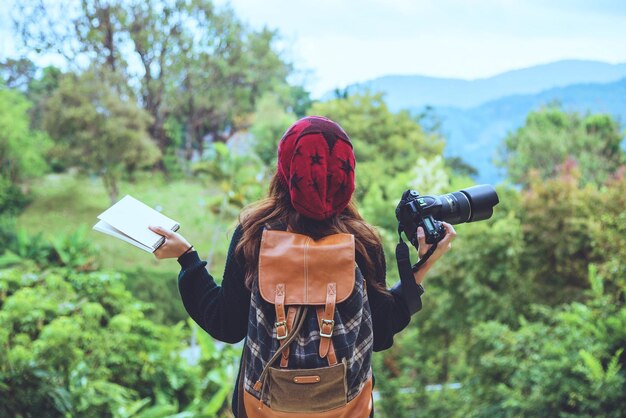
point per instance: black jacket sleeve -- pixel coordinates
(222, 311)
(390, 313)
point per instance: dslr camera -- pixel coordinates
(467, 205)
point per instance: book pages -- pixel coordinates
(105, 228)
(129, 219)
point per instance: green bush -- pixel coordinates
(12, 199)
(160, 293)
(568, 364)
(74, 250)
(8, 230)
(79, 344)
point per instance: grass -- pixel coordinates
(64, 203)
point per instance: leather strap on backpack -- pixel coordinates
(281, 320)
(291, 316)
(327, 324)
(283, 324)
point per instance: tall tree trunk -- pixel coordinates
(110, 185)
(158, 134)
(109, 42)
(188, 140)
(200, 140)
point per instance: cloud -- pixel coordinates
(349, 41)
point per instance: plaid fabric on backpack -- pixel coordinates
(309, 344)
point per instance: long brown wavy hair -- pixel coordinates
(277, 208)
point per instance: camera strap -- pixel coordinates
(403, 257)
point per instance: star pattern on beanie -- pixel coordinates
(316, 159)
(331, 140)
(294, 182)
(327, 129)
(316, 162)
(345, 166)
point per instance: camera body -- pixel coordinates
(467, 205)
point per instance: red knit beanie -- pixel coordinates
(316, 162)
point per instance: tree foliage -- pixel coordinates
(569, 363)
(561, 229)
(196, 61)
(99, 130)
(270, 122)
(551, 137)
(22, 150)
(78, 344)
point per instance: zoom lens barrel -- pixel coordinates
(482, 199)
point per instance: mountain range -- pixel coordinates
(476, 115)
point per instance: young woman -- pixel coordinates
(311, 194)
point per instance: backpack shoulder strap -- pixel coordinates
(276, 225)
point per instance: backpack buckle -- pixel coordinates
(327, 324)
(281, 330)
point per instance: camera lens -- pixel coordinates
(468, 205)
(482, 199)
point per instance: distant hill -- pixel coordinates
(475, 134)
(409, 91)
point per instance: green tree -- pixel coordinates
(610, 239)
(225, 64)
(22, 150)
(561, 222)
(461, 167)
(101, 131)
(35, 83)
(197, 61)
(271, 121)
(39, 91)
(550, 137)
(298, 100)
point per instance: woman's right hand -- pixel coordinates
(174, 245)
(443, 246)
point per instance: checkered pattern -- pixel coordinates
(352, 339)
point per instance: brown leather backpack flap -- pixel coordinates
(305, 267)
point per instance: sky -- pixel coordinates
(334, 43)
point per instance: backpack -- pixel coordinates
(309, 344)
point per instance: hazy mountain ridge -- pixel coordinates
(477, 115)
(404, 91)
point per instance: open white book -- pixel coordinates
(129, 219)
